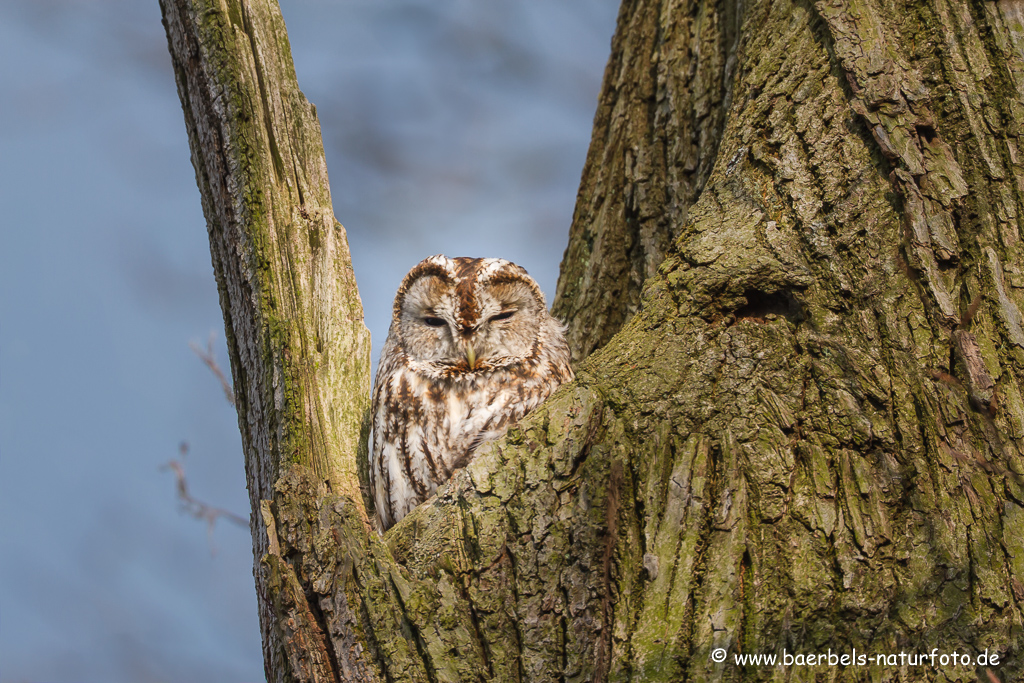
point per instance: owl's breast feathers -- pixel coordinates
(429, 420)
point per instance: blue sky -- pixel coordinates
(453, 127)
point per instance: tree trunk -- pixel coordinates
(300, 354)
(796, 258)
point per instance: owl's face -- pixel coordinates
(468, 314)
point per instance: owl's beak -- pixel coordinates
(471, 355)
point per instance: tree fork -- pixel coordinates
(806, 433)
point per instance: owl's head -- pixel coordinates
(470, 314)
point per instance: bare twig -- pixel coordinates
(210, 359)
(192, 506)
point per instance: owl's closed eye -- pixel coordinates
(471, 349)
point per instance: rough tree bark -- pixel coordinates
(792, 283)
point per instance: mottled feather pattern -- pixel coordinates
(471, 350)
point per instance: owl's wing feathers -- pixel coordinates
(402, 454)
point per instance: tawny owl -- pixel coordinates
(471, 349)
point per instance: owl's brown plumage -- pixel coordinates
(471, 349)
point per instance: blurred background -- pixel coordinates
(450, 126)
